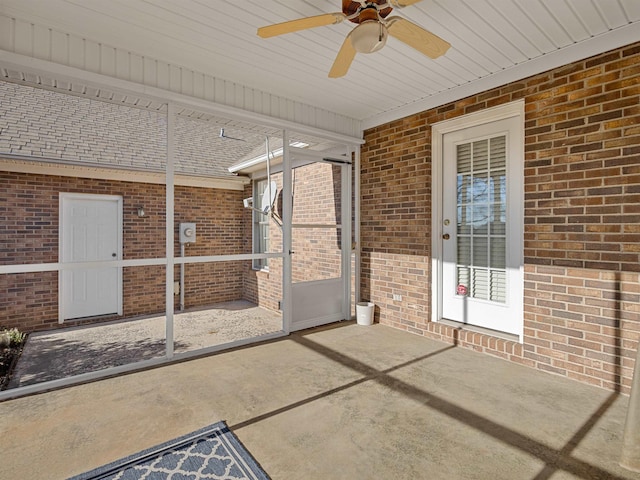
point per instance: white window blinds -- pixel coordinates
(481, 218)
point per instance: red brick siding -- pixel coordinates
(29, 300)
(582, 240)
(219, 231)
(316, 200)
(29, 213)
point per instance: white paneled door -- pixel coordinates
(482, 226)
(91, 227)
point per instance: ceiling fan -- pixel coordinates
(371, 33)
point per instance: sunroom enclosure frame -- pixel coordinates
(172, 102)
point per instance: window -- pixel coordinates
(260, 226)
(482, 211)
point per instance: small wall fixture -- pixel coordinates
(141, 212)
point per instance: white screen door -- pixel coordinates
(321, 241)
(90, 232)
(482, 225)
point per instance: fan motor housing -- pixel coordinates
(349, 8)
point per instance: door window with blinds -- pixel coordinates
(481, 218)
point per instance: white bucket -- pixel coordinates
(364, 313)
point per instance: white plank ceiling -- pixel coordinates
(493, 42)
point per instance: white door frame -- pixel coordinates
(63, 198)
(438, 131)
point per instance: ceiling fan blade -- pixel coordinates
(403, 3)
(301, 24)
(343, 61)
(417, 37)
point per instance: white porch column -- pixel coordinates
(169, 219)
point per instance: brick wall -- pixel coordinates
(29, 211)
(316, 200)
(582, 240)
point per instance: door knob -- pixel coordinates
(446, 236)
(114, 255)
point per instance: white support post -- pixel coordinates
(345, 233)
(287, 215)
(169, 219)
(356, 222)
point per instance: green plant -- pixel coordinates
(16, 337)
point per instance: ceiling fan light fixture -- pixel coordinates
(374, 25)
(369, 36)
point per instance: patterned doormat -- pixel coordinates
(213, 452)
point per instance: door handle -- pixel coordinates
(114, 255)
(446, 236)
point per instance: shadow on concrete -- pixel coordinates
(565, 453)
(554, 459)
(58, 358)
(64, 353)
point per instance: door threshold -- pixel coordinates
(485, 331)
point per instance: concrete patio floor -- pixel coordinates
(343, 402)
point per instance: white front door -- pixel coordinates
(481, 225)
(90, 231)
